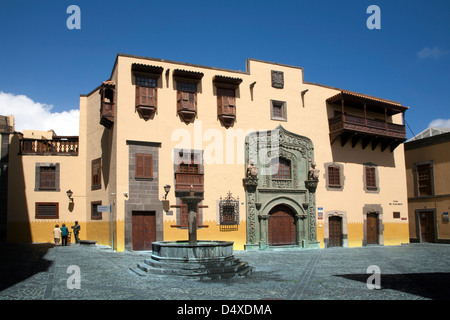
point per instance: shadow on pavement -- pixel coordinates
(428, 285)
(19, 261)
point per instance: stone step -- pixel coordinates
(191, 265)
(237, 269)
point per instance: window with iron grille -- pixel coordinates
(281, 169)
(229, 210)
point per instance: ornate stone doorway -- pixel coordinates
(280, 186)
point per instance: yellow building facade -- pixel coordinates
(428, 174)
(279, 161)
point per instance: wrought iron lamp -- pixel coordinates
(69, 195)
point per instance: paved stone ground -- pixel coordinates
(408, 272)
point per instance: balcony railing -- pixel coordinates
(56, 146)
(368, 130)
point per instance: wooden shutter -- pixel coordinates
(143, 165)
(370, 177)
(96, 174)
(334, 176)
(47, 178)
(146, 96)
(47, 210)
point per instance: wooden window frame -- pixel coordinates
(371, 178)
(334, 172)
(146, 170)
(283, 169)
(96, 177)
(38, 177)
(99, 215)
(419, 181)
(42, 216)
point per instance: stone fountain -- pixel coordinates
(193, 258)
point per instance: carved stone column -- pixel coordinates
(311, 185)
(264, 239)
(250, 185)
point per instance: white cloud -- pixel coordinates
(31, 115)
(440, 123)
(434, 53)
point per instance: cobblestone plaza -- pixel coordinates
(408, 272)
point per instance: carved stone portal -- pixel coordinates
(264, 191)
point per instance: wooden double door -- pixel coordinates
(426, 224)
(143, 229)
(281, 227)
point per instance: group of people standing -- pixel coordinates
(63, 233)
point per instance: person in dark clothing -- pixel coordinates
(76, 229)
(64, 234)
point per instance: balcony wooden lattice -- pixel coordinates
(184, 181)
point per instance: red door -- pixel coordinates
(281, 227)
(143, 229)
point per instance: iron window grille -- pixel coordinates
(229, 211)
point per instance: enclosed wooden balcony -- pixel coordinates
(364, 128)
(226, 110)
(184, 181)
(146, 102)
(107, 92)
(66, 146)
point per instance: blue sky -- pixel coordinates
(407, 60)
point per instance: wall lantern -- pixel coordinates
(166, 189)
(165, 202)
(69, 194)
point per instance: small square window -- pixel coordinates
(278, 110)
(396, 215)
(95, 215)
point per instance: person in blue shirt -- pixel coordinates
(64, 234)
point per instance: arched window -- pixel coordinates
(281, 169)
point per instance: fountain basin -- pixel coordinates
(182, 251)
(205, 259)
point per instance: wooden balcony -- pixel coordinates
(187, 106)
(107, 92)
(184, 181)
(146, 102)
(65, 146)
(226, 110)
(365, 129)
(368, 131)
